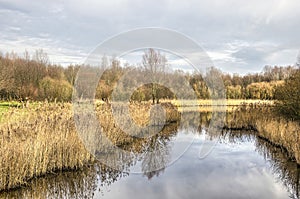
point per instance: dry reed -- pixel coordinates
(278, 130)
(43, 139)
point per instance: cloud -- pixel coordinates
(223, 28)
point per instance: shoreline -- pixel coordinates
(269, 126)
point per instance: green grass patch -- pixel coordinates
(5, 106)
(10, 104)
(20, 112)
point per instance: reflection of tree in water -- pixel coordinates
(156, 156)
(73, 184)
(287, 170)
(108, 176)
(236, 137)
(84, 182)
(192, 122)
(154, 151)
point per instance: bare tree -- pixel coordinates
(41, 57)
(70, 73)
(155, 64)
(6, 77)
(156, 157)
(298, 60)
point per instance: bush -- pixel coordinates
(52, 89)
(288, 96)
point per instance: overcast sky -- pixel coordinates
(239, 36)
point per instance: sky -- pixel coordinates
(239, 36)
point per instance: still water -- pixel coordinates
(241, 165)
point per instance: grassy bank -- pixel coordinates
(276, 129)
(43, 139)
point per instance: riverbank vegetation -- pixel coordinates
(288, 96)
(276, 129)
(43, 139)
(278, 124)
(38, 141)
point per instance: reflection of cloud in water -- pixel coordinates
(241, 174)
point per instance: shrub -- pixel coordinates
(52, 89)
(288, 96)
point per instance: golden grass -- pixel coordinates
(209, 102)
(277, 130)
(209, 105)
(283, 133)
(140, 114)
(43, 139)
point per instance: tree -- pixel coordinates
(288, 95)
(298, 60)
(71, 73)
(155, 64)
(215, 87)
(234, 92)
(55, 90)
(6, 75)
(55, 72)
(41, 57)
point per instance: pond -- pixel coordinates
(240, 165)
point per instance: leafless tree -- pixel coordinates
(41, 57)
(155, 64)
(298, 60)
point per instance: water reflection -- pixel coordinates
(78, 184)
(97, 178)
(288, 172)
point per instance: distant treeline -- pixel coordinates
(34, 77)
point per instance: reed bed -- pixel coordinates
(225, 102)
(124, 132)
(43, 139)
(283, 133)
(42, 142)
(278, 130)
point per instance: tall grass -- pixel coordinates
(43, 139)
(269, 125)
(43, 142)
(209, 102)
